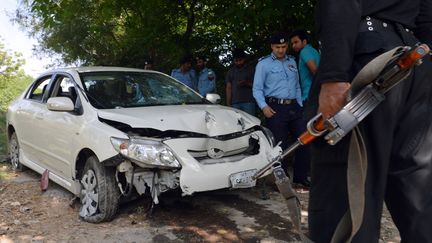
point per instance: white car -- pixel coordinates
(105, 132)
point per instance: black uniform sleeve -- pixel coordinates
(337, 26)
(423, 31)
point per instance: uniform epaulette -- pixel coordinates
(290, 57)
(262, 58)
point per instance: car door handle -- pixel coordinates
(39, 117)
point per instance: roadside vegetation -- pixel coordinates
(13, 81)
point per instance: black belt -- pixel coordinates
(372, 24)
(280, 101)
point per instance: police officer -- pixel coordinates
(398, 133)
(276, 89)
(206, 77)
(185, 73)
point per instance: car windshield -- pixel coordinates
(108, 90)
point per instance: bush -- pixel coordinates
(14, 88)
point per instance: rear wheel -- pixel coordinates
(99, 192)
(14, 153)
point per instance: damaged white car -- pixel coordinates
(103, 132)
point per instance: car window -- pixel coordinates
(107, 90)
(64, 87)
(39, 88)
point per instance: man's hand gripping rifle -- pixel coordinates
(365, 95)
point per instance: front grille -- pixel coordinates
(231, 156)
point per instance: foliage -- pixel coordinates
(12, 78)
(127, 32)
(10, 64)
(15, 87)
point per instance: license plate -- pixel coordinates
(243, 179)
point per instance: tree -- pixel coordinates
(10, 65)
(126, 32)
(13, 80)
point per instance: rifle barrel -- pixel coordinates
(286, 152)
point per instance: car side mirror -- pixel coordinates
(213, 98)
(60, 104)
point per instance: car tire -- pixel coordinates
(14, 153)
(99, 192)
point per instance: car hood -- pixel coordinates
(206, 119)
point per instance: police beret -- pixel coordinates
(279, 38)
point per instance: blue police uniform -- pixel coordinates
(276, 78)
(206, 81)
(188, 78)
(276, 84)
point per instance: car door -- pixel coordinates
(28, 119)
(61, 131)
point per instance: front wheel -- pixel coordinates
(99, 192)
(14, 153)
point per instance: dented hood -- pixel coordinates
(206, 119)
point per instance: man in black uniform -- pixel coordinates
(398, 133)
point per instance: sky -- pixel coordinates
(16, 40)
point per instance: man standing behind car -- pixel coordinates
(276, 89)
(309, 59)
(206, 77)
(239, 82)
(185, 73)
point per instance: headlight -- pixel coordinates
(150, 153)
(269, 136)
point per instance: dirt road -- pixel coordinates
(29, 215)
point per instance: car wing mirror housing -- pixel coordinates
(213, 98)
(60, 104)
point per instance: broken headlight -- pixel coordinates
(149, 153)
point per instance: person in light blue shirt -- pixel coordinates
(277, 91)
(309, 59)
(185, 73)
(206, 77)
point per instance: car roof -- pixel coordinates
(97, 69)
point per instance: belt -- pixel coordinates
(372, 24)
(280, 101)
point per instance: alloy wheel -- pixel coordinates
(14, 152)
(89, 194)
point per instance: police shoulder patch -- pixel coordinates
(290, 57)
(262, 58)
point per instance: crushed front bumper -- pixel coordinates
(199, 175)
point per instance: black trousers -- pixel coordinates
(398, 136)
(289, 120)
